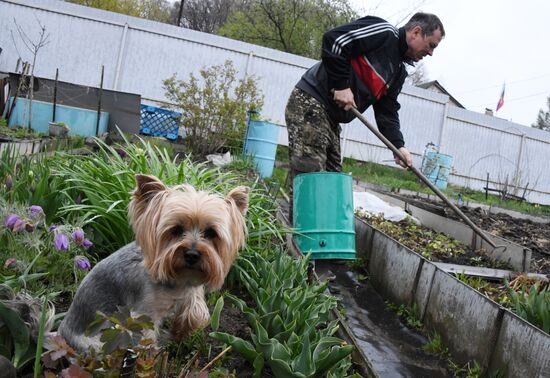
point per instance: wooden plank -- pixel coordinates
(487, 273)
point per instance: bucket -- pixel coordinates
(323, 215)
(437, 168)
(261, 144)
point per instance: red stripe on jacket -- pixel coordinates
(369, 76)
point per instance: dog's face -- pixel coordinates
(187, 236)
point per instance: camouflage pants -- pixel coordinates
(313, 139)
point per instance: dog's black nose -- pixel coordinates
(191, 256)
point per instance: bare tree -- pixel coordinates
(543, 118)
(33, 48)
(417, 74)
(204, 15)
(402, 15)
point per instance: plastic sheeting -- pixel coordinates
(372, 204)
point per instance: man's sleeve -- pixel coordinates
(387, 117)
(348, 41)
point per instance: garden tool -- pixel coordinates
(421, 176)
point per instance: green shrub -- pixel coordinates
(213, 107)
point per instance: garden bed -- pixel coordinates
(472, 326)
(525, 232)
(500, 282)
(79, 215)
(433, 245)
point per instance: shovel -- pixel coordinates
(421, 176)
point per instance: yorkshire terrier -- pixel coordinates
(186, 241)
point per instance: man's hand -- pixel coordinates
(408, 158)
(344, 98)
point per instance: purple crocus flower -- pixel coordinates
(87, 244)
(10, 221)
(61, 242)
(121, 152)
(82, 262)
(78, 236)
(19, 225)
(9, 182)
(52, 228)
(10, 263)
(36, 211)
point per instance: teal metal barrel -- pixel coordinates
(261, 144)
(437, 168)
(323, 215)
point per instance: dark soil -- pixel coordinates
(232, 321)
(525, 232)
(434, 246)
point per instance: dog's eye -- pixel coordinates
(210, 233)
(177, 230)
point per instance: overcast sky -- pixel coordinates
(487, 42)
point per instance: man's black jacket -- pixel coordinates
(368, 56)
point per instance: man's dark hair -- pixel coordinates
(427, 21)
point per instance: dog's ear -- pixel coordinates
(239, 196)
(147, 186)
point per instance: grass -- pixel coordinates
(392, 178)
(435, 345)
(382, 175)
(16, 132)
(521, 206)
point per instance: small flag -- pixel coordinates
(501, 99)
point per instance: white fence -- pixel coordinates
(138, 55)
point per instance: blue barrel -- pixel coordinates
(323, 215)
(261, 144)
(437, 168)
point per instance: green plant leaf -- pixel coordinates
(215, 318)
(324, 344)
(115, 339)
(304, 363)
(5, 347)
(242, 346)
(19, 333)
(258, 365)
(100, 322)
(332, 357)
(41, 330)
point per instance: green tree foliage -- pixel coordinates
(156, 10)
(543, 118)
(293, 26)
